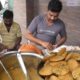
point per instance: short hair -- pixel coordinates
(55, 6)
(8, 14)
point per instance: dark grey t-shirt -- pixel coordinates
(44, 32)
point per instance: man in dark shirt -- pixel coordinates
(45, 28)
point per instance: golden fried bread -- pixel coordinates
(72, 63)
(53, 78)
(65, 54)
(62, 51)
(61, 68)
(68, 56)
(45, 70)
(48, 57)
(66, 77)
(53, 63)
(78, 78)
(76, 56)
(60, 55)
(76, 73)
(56, 58)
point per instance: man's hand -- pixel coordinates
(2, 47)
(55, 46)
(47, 45)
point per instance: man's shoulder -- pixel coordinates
(16, 24)
(39, 17)
(60, 21)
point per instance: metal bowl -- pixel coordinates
(16, 65)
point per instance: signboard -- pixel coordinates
(73, 2)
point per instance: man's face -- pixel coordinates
(8, 22)
(52, 16)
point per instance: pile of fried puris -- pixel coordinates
(63, 65)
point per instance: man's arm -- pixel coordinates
(19, 38)
(63, 36)
(30, 37)
(60, 42)
(17, 43)
(2, 47)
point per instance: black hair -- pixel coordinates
(8, 14)
(55, 5)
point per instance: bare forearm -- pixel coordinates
(2, 47)
(61, 41)
(33, 39)
(17, 44)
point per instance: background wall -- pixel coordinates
(26, 10)
(20, 15)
